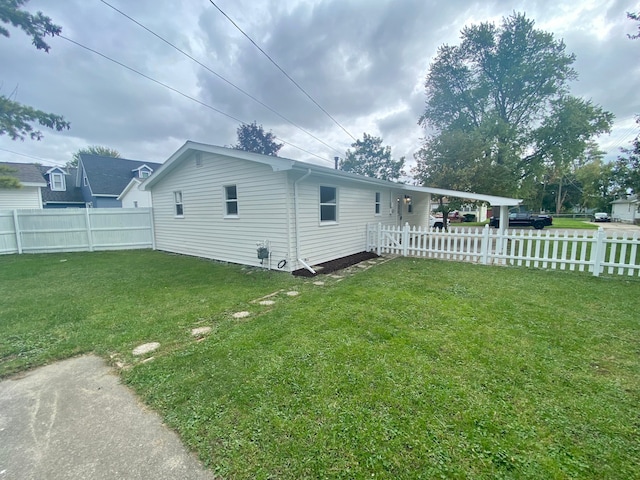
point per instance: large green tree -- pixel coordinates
(253, 138)
(504, 93)
(371, 159)
(17, 120)
(626, 170)
(93, 150)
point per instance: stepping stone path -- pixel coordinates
(146, 348)
(241, 314)
(266, 302)
(293, 293)
(200, 331)
(319, 283)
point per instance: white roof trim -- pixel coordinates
(64, 172)
(280, 164)
(129, 187)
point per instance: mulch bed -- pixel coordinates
(337, 264)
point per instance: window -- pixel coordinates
(177, 196)
(231, 200)
(144, 173)
(135, 204)
(328, 204)
(198, 157)
(377, 203)
(57, 182)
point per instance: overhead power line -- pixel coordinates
(57, 163)
(175, 90)
(220, 76)
(282, 70)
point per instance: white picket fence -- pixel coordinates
(75, 230)
(590, 251)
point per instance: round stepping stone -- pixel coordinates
(266, 302)
(241, 314)
(318, 283)
(197, 332)
(293, 293)
(146, 348)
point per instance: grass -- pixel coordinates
(410, 369)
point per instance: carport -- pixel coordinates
(503, 202)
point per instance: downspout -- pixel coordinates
(297, 209)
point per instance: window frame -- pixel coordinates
(52, 181)
(228, 201)
(178, 202)
(377, 204)
(333, 204)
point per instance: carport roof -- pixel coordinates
(491, 199)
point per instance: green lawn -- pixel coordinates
(410, 369)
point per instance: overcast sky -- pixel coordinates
(363, 61)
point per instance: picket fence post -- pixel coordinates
(484, 246)
(379, 244)
(405, 240)
(599, 251)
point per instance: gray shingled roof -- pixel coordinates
(26, 173)
(108, 175)
(73, 194)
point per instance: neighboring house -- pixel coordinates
(108, 182)
(61, 190)
(29, 195)
(626, 210)
(224, 204)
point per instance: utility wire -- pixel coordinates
(180, 93)
(57, 163)
(220, 76)
(283, 72)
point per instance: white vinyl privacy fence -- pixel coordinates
(75, 230)
(590, 251)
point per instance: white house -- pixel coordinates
(133, 196)
(626, 210)
(227, 204)
(28, 195)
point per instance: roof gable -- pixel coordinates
(109, 176)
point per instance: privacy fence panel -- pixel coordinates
(74, 230)
(590, 251)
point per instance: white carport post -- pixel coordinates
(428, 210)
(504, 224)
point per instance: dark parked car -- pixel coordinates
(524, 219)
(601, 217)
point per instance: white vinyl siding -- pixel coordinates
(204, 231)
(17, 198)
(323, 242)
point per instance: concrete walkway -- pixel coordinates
(73, 420)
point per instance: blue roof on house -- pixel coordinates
(110, 176)
(72, 194)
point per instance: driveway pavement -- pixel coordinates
(73, 420)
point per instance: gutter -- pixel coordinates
(297, 220)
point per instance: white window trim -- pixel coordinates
(176, 203)
(60, 176)
(377, 209)
(320, 205)
(227, 201)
